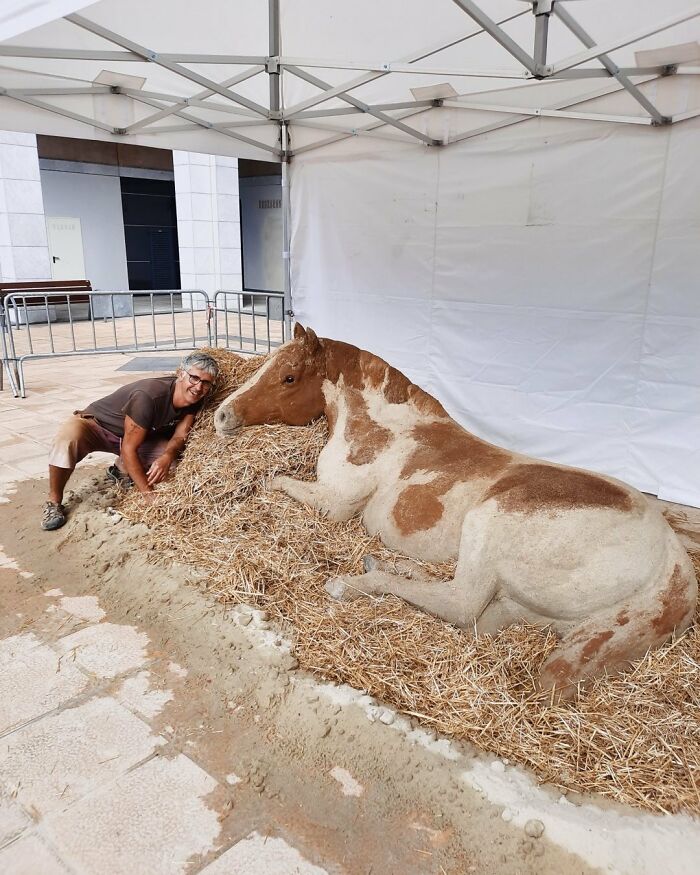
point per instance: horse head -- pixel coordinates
(287, 389)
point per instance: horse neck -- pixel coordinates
(354, 370)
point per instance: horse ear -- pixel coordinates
(299, 331)
(312, 340)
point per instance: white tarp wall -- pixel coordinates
(542, 281)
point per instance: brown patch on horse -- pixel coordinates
(417, 508)
(342, 358)
(363, 370)
(374, 370)
(536, 487)
(426, 404)
(623, 618)
(454, 456)
(366, 437)
(560, 670)
(452, 453)
(396, 387)
(592, 648)
(674, 601)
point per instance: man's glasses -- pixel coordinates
(197, 381)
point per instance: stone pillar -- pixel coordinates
(208, 222)
(24, 250)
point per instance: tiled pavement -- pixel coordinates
(82, 789)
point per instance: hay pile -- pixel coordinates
(633, 738)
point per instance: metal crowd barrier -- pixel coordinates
(44, 324)
(39, 324)
(249, 322)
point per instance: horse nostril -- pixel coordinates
(226, 421)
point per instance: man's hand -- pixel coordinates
(159, 469)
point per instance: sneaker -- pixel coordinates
(53, 516)
(121, 478)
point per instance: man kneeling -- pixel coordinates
(145, 424)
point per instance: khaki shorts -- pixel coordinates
(82, 434)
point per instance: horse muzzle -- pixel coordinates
(226, 421)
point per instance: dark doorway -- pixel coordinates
(150, 229)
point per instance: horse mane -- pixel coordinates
(364, 370)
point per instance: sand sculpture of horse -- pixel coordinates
(534, 541)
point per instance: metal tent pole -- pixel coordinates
(275, 73)
(286, 235)
(273, 68)
(542, 9)
(610, 66)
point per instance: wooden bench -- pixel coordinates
(33, 297)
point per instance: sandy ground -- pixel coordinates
(352, 786)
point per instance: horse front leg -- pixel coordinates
(321, 496)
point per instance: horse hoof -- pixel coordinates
(369, 563)
(338, 589)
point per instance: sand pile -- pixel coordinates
(634, 738)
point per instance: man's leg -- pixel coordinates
(76, 438)
(58, 477)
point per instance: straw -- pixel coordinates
(633, 738)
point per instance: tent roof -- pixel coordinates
(215, 76)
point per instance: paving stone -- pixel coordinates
(148, 822)
(13, 820)
(30, 856)
(33, 681)
(261, 855)
(59, 759)
(83, 607)
(137, 694)
(106, 650)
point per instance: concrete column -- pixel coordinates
(24, 250)
(208, 221)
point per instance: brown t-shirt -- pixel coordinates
(148, 402)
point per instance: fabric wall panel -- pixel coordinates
(575, 356)
(665, 454)
(548, 295)
(593, 268)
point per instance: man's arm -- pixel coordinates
(134, 436)
(159, 469)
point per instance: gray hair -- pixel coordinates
(202, 361)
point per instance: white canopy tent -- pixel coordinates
(501, 197)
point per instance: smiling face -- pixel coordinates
(191, 386)
(285, 390)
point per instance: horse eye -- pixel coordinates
(289, 379)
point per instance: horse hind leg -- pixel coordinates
(612, 640)
(450, 600)
(437, 597)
